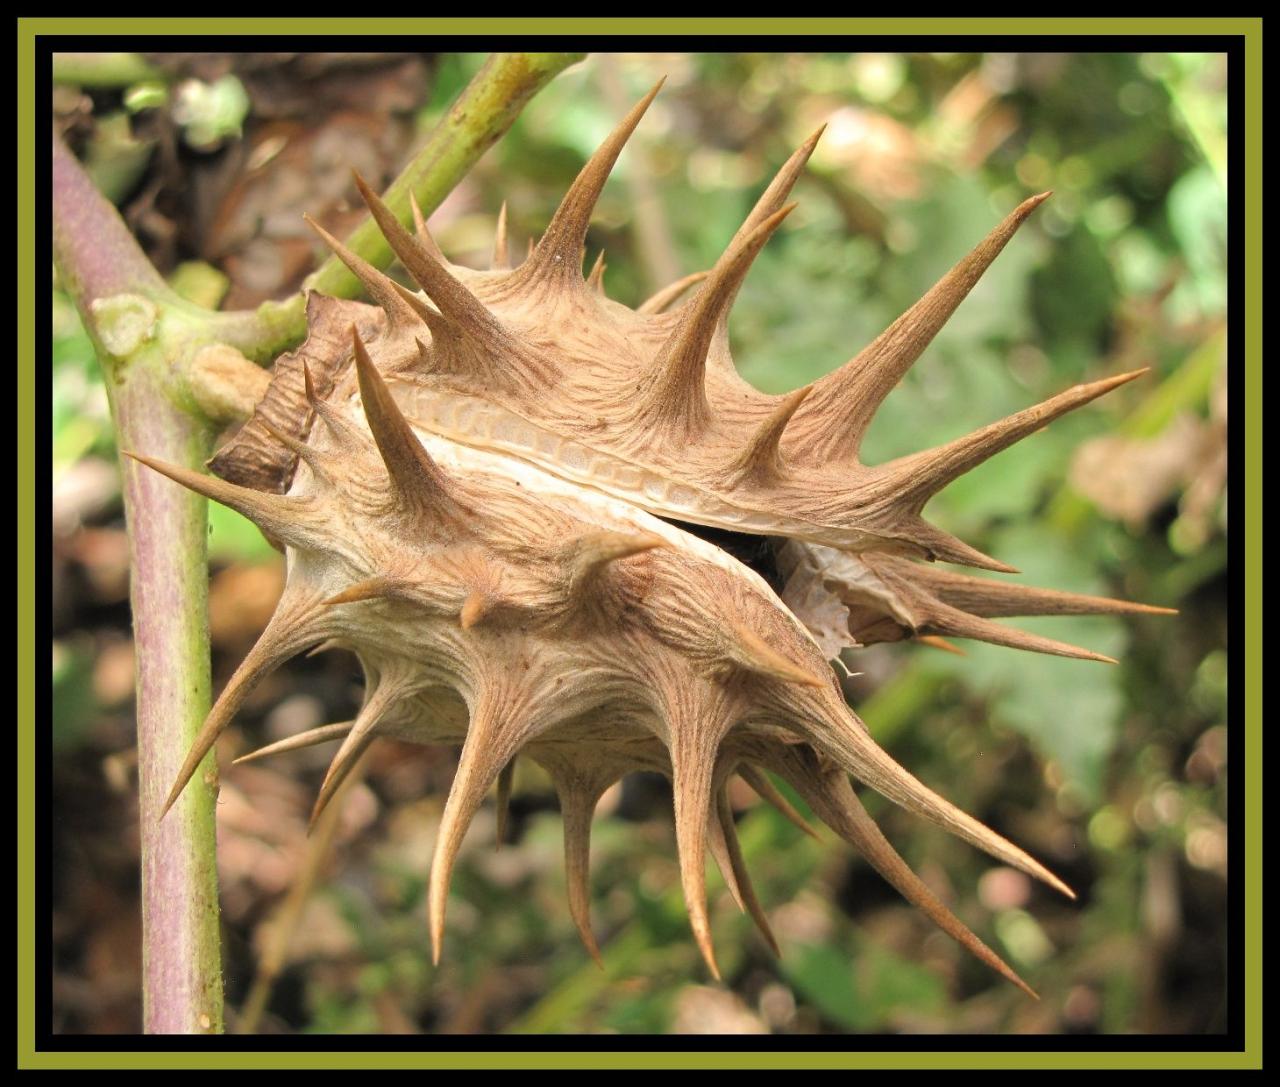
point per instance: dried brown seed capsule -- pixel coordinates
(476, 492)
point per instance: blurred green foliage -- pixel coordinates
(81, 420)
(1115, 775)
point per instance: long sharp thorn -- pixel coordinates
(559, 252)
(938, 546)
(868, 762)
(452, 298)
(280, 515)
(503, 806)
(844, 402)
(414, 473)
(661, 299)
(850, 819)
(310, 738)
(342, 430)
(780, 187)
(770, 793)
(429, 316)
(308, 386)
(921, 475)
(992, 599)
(596, 279)
(314, 460)
(761, 458)
(933, 641)
(577, 804)
(959, 624)
(748, 650)
(772, 199)
(738, 864)
(378, 284)
(362, 733)
(677, 391)
(693, 759)
(718, 847)
(501, 258)
(590, 554)
(286, 633)
(353, 747)
(489, 746)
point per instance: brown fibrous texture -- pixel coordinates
(484, 490)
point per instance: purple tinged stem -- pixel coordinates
(97, 257)
(96, 254)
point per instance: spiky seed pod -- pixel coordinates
(485, 489)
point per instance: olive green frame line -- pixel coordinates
(1250, 341)
(624, 27)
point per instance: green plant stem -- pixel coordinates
(118, 293)
(181, 960)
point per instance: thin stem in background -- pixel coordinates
(655, 245)
(274, 955)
